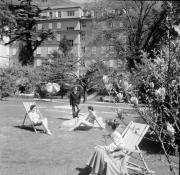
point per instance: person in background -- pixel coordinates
(75, 99)
(36, 118)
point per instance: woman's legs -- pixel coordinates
(103, 164)
(45, 125)
(81, 122)
(96, 161)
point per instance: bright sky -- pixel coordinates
(82, 1)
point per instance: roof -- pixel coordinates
(59, 7)
(58, 3)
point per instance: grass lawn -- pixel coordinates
(23, 152)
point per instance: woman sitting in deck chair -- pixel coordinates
(87, 122)
(36, 118)
(109, 160)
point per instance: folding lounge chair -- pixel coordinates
(98, 123)
(132, 136)
(27, 106)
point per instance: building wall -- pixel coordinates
(77, 27)
(4, 53)
(60, 12)
(59, 24)
(63, 22)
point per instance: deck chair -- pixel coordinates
(98, 123)
(27, 106)
(132, 136)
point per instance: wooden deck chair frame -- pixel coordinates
(98, 123)
(132, 136)
(27, 106)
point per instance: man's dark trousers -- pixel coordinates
(74, 102)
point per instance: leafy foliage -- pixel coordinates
(65, 46)
(61, 67)
(14, 77)
(26, 14)
(159, 89)
(144, 26)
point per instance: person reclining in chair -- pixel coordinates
(87, 122)
(36, 118)
(109, 159)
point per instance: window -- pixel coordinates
(50, 49)
(103, 50)
(44, 51)
(112, 63)
(58, 37)
(39, 26)
(118, 11)
(14, 51)
(58, 25)
(54, 14)
(50, 14)
(43, 15)
(71, 42)
(84, 12)
(70, 13)
(38, 51)
(59, 14)
(120, 24)
(93, 50)
(6, 50)
(38, 62)
(5, 39)
(83, 49)
(83, 36)
(83, 24)
(70, 28)
(50, 25)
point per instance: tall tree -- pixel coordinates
(144, 26)
(26, 14)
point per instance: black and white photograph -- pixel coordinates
(89, 87)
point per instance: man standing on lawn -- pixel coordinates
(75, 99)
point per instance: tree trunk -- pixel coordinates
(30, 53)
(85, 94)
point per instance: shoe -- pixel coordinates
(49, 133)
(84, 170)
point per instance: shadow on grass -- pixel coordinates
(149, 145)
(63, 118)
(29, 128)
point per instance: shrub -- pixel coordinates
(18, 77)
(161, 95)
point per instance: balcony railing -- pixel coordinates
(54, 17)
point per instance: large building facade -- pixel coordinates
(69, 22)
(76, 24)
(4, 53)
